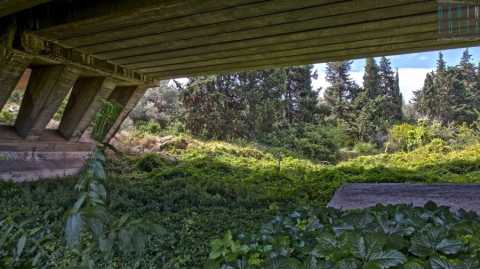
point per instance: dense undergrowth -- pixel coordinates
(199, 190)
(382, 237)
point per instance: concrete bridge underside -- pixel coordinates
(116, 49)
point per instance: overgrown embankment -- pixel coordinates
(198, 190)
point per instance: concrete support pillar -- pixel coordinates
(47, 89)
(85, 101)
(12, 66)
(128, 98)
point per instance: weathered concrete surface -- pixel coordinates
(85, 101)
(12, 67)
(51, 156)
(47, 89)
(11, 6)
(353, 196)
(128, 98)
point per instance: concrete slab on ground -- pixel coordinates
(51, 156)
(354, 196)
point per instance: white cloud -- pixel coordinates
(411, 79)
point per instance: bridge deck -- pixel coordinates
(165, 39)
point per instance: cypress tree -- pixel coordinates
(387, 77)
(342, 90)
(390, 88)
(371, 78)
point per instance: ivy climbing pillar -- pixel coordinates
(127, 97)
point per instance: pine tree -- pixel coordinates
(441, 64)
(466, 70)
(387, 77)
(301, 101)
(342, 90)
(425, 100)
(449, 93)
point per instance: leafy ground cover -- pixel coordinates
(197, 191)
(376, 238)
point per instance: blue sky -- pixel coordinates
(412, 68)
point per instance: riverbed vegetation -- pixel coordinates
(235, 170)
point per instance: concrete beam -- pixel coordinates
(85, 101)
(8, 7)
(53, 53)
(12, 66)
(128, 98)
(47, 89)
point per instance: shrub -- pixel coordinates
(380, 237)
(310, 141)
(150, 162)
(149, 127)
(408, 137)
(365, 148)
(7, 117)
(105, 118)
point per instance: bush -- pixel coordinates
(380, 237)
(149, 127)
(365, 148)
(408, 137)
(6, 117)
(150, 162)
(311, 141)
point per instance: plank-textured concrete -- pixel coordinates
(85, 101)
(354, 196)
(167, 39)
(12, 67)
(47, 89)
(8, 7)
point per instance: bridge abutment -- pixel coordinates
(28, 150)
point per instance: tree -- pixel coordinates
(450, 94)
(341, 92)
(379, 104)
(160, 104)
(371, 79)
(301, 101)
(250, 104)
(389, 86)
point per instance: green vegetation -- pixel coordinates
(104, 119)
(379, 237)
(199, 192)
(288, 151)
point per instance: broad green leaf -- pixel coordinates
(449, 247)
(21, 246)
(413, 265)
(73, 229)
(438, 263)
(389, 258)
